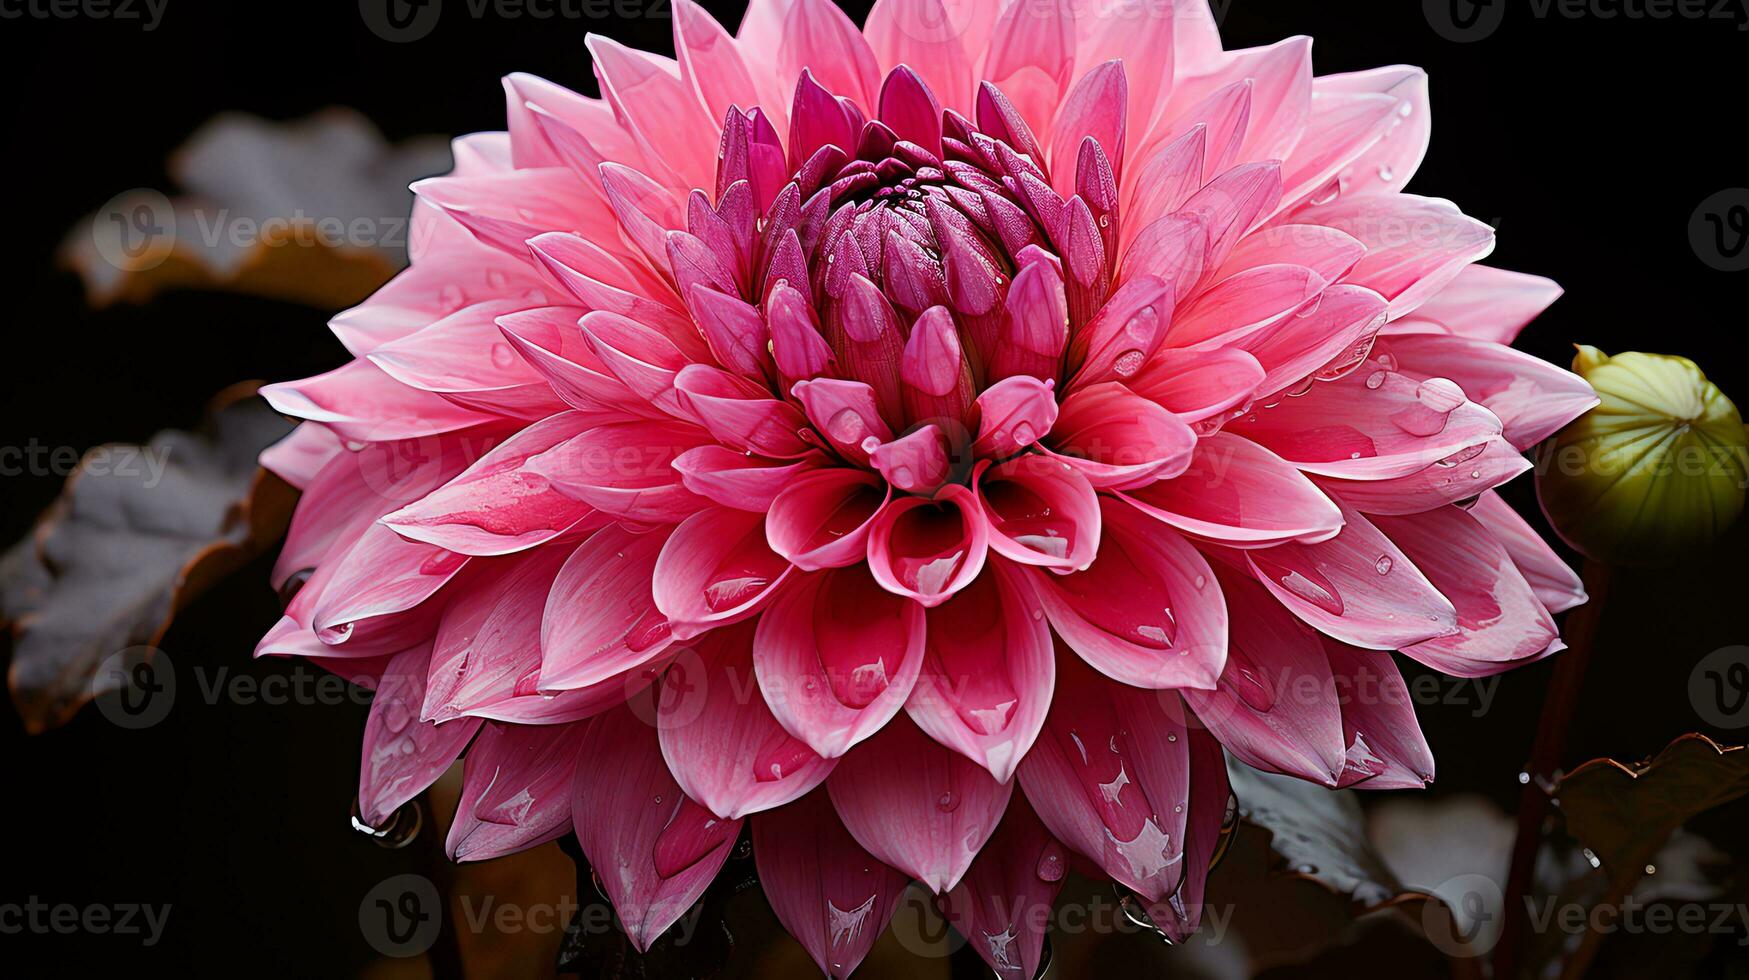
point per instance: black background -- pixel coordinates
(1588, 142)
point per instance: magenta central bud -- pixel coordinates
(914, 259)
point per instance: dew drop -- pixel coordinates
(1383, 565)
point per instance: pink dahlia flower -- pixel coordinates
(933, 443)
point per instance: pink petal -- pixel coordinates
(737, 480)
(1096, 108)
(1490, 304)
(1341, 129)
(1272, 708)
(505, 210)
(1181, 913)
(301, 456)
(1387, 164)
(822, 519)
(1551, 578)
(709, 63)
(1005, 901)
(1124, 334)
(1031, 59)
(654, 850)
(847, 413)
(1169, 174)
(646, 210)
(354, 487)
(516, 790)
(1199, 384)
(641, 357)
(1458, 478)
(599, 619)
(403, 755)
(741, 414)
(927, 36)
(625, 469)
(1116, 438)
(1532, 397)
(1358, 587)
(1415, 245)
(716, 569)
(1245, 304)
(361, 403)
(1111, 777)
(1373, 424)
(1013, 414)
(550, 341)
(1237, 493)
(464, 357)
(987, 673)
(494, 507)
(1039, 512)
(1231, 204)
(909, 108)
(600, 281)
(721, 742)
(1320, 343)
(928, 549)
(1147, 612)
(489, 637)
(1328, 252)
(826, 890)
(1501, 622)
(837, 657)
(454, 271)
(817, 36)
(918, 462)
(1139, 35)
(380, 576)
(663, 114)
(927, 817)
(1386, 749)
(1281, 77)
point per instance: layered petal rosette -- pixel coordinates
(932, 444)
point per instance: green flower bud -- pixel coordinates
(1655, 471)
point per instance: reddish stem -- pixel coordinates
(1545, 758)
